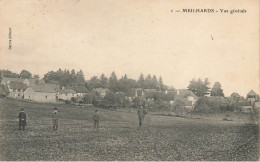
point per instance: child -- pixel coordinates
(22, 119)
(55, 118)
(96, 119)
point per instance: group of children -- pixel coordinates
(55, 118)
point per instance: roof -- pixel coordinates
(48, 88)
(17, 85)
(81, 89)
(183, 93)
(252, 93)
(68, 90)
(32, 81)
(101, 90)
(13, 79)
(132, 92)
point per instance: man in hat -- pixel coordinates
(55, 118)
(96, 119)
(22, 119)
(141, 113)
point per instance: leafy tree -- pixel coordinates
(198, 87)
(94, 82)
(110, 100)
(8, 74)
(217, 90)
(25, 74)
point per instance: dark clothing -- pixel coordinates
(55, 117)
(141, 114)
(96, 123)
(22, 120)
(96, 120)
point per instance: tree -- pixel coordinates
(8, 74)
(25, 74)
(155, 83)
(113, 85)
(94, 82)
(37, 78)
(216, 90)
(161, 85)
(104, 81)
(198, 87)
(140, 82)
(148, 84)
(110, 100)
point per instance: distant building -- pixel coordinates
(102, 91)
(67, 93)
(81, 91)
(252, 97)
(42, 93)
(16, 89)
(186, 96)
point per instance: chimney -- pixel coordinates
(178, 92)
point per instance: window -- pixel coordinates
(46, 96)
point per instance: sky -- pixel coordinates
(134, 37)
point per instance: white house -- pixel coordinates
(16, 89)
(42, 93)
(67, 94)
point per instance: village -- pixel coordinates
(159, 97)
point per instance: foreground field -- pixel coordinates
(119, 138)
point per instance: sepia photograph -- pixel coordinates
(129, 80)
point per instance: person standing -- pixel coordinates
(55, 118)
(96, 119)
(141, 114)
(22, 119)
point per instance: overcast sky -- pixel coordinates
(135, 37)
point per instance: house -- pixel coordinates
(42, 93)
(6, 81)
(67, 93)
(134, 93)
(81, 91)
(185, 96)
(16, 89)
(252, 97)
(102, 91)
(150, 94)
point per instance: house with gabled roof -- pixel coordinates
(102, 91)
(81, 91)
(16, 89)
(134, 93)
(185, 96)
(42, 93)
(252, 97)
(67, 93)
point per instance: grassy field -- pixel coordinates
(119, 138)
